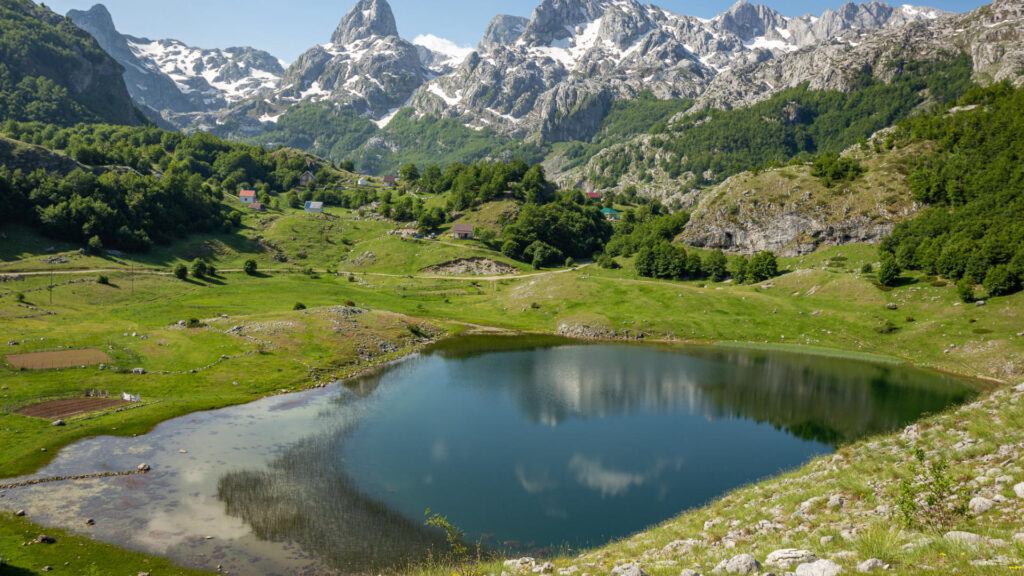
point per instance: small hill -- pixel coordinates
(791, 212)
(54, 72)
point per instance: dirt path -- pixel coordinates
(378, 274)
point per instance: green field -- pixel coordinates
(822, 304)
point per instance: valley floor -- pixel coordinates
(247, 341)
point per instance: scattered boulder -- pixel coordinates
(44, 539)
(679, 547)
(789, 557)
(966, 538)
(90, 522)
(980, 505)
(144, 467)
(1019, 490)
(59, 423)
(836, 501)
(689, 572)
(819, 568)
(872, 565)
(743, 564)
(138, 371)
(631, 569)
(19, 513)
(547, 568)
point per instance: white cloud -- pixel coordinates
(455, 53)
(539, 483)
(592, 474)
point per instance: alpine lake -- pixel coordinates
(530, 445)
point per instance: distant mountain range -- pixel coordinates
(554, 76)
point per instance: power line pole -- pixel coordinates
(133, 278)
(51, 283)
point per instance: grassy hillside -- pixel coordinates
(52, 71)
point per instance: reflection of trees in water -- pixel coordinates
(306, 497)
(816, 398)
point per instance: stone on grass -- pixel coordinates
(743, 564)
(59, 423)
(631, 569)
(872, 565)
(19, 513)
(1019, 490)
(980, 505)
(819, 568)
(44, 539)
(144, 468)
(965, 538)
(789, 557)
(689, 572)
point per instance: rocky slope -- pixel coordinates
(175, 79)
(992, 35)
(574, 57)
(790, 212)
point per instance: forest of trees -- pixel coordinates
(973, 184)
(138, 185)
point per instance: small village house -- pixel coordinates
(594, 196)
(247, 196)
(363, 182)
(462, 231)
(611, 214)
(307, 178)
(257, 206)
(389, 181)
(314, 207)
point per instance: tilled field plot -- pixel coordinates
(59, 409)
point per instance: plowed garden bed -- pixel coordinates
(60, 409)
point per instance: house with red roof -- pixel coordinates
(247, 196)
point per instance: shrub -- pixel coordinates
(299, 306)
(211, 270)
(762, 267)
(249, 267)
(930, 498)
(350, 304)
(95, 245)
(20, 297)
(193, 323)
(569, 262)
(867, 268)
(604, 260)
(886, 327)
(199, 268)
(101, 279)
(965, 289)
(181, 272)
(1000, 281)
(889, 271)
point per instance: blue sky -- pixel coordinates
(288, 28)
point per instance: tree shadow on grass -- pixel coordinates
(10, 570)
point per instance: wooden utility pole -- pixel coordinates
(133, 278)
(51, 283)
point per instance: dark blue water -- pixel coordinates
(526, 448)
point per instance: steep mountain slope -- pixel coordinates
(366, 68)
(51, 71)
(175, 79)
(574, 57)
(992, 35)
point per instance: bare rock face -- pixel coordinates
(366, 19)
(503, 30)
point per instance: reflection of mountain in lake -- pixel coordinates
(306, 497)
(817, 398)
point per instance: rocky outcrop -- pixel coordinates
(503, 30)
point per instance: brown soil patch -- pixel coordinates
(59, 359)
(59, 409)
(470, 267)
